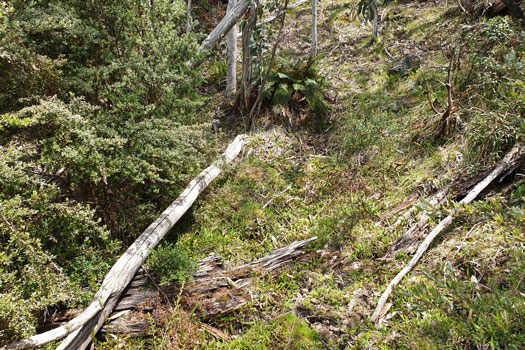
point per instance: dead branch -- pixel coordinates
(214, 289)
(445, 118)
(91, 319)
(411, 234)
(514, 155)
(427, 93)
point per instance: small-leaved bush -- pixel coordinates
(100, 129)
(493, 84)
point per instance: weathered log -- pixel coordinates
(510, 159)
(214, 289)
(122, 272)
(126, 323)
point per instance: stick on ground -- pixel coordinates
(514, 155)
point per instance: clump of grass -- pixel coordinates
(285, 332)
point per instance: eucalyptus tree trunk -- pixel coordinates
(188, 17)
(231, 55)
(314, 28)
(375, 19)
(247, 59)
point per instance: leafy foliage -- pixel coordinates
(495, 84)
(100, 130)
(293, 83)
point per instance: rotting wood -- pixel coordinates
(79, 329)
(511, 158)
(214, 289)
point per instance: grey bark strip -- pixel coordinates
(231, 56)
(516, 153)
(122, 272)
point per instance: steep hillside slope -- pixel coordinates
(429, 107)
(362, 180)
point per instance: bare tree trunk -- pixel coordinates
(314, 28)
(231, 56)
(247, 60)
(188, 17)
(375, 20)
(222, 28)
(80, 329)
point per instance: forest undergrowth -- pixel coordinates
(342, 150)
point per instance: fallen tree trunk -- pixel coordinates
(122, 272)
(214, 290)
(510, 159)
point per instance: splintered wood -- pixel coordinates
(214, 289)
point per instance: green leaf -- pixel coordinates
(311, 84)
(298, 87)
(282, 94)
(283, 76)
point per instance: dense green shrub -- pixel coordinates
(493, 84)
(100, 131)
(171, 263)
(50, 247)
